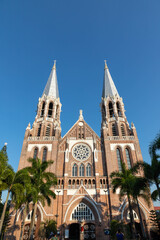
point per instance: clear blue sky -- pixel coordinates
(79, 35)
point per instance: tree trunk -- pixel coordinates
(157, 185)
(32, 222)
(23, 221)
(131, 217)
(141, 222)
(3, 213)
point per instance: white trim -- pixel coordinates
(82, 197)
(122, 145)
(39, 146)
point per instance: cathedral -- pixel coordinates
(83, 162)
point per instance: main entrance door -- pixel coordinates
(74, 231)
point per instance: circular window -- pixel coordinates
(81, 152)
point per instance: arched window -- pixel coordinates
(50, 110)
(111, 112)
(42, 110)
(122, 130)
(35, 153)
(74, 170)
(39, 130)
(44, 155)
(119, 109)
(81, 170)
(48, 128)
(73, 184)
(114, 132)
(119, 159)
(88, 170)
(89, 183)
(128, 158)
(82, 212)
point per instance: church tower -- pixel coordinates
(46, 129)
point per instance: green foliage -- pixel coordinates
(48, 227)
(6, 219)
(114, 226)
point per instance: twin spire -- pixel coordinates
(109, 88)
(51, 88)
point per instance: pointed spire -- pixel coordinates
(51, 88)
(109, 88)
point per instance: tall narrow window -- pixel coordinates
(128, 158)
(44, 155)
(39, 130)
(50, 110)
(42, 110)
(88, 170)
(74, 170)
(35, 153)
(122, 130)
(114, 132)
(119, 109)
(81, 170)
(48, 130)
(119, 159)
(111, 112)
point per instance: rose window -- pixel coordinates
(81, 152)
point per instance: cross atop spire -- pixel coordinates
(109, 88)
(51, 88)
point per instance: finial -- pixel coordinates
(54, 66)
(5, 144)
(80, 115)
(105, 64)
(132, 125)
(29, 126)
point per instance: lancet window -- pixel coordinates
(128, 158)
(35, 153)
(74, 170)
(44, 155)
(119, 109)
(50, 110)
(48, 129)
(114, 132)
(82, 212)
(119, 159)
(111, 112)
(39, 130)
(88, 170)
(122, 130)
(42, 110)
(81, 170)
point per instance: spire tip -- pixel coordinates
(105, 64)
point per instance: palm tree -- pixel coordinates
(41, 182)
(152, 171)
(11, 183)
(141, 190)
(124, 180)
(23, 199)
(3, 164)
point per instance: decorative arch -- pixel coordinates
(82, 212)
(39, 130)
(84, 200)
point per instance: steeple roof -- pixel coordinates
(51, 88)
(109, 88)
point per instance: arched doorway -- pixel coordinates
(74, 231)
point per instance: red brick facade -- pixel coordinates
(83, 162)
